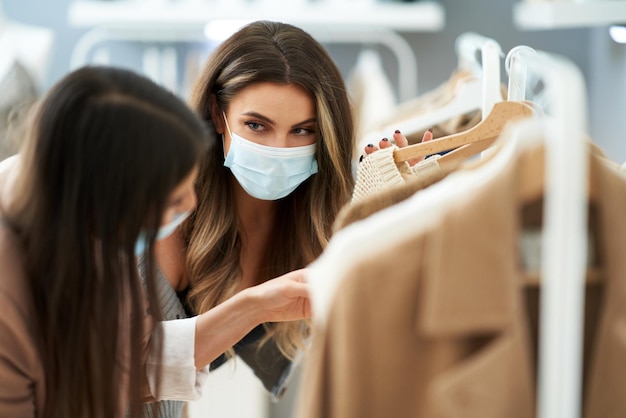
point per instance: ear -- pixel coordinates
(216, 114)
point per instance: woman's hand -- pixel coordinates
(401, 142)
(285, 298)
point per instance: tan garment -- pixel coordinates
(446, 327)
(371, 92)
(387, 196)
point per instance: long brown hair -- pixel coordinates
(106, 149)
(268, 52)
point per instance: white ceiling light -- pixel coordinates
(219, 30)
(618, 33)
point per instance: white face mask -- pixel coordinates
(269, 173)
(164, 232)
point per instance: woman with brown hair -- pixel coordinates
(271, 185)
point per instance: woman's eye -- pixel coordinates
(303, 131)
(254, 126)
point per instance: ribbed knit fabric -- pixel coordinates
(171, 308)
(378, 171)
(166, 409)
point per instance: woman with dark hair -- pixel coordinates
(108, 168)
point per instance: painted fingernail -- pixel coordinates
(360, 158)
(385, 139)
(397, 131)
(430, 130)
(370, 145)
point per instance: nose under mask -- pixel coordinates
(269, 173)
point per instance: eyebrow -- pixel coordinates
(309, 120)
(259, 116)
(271, 122)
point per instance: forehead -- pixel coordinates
(274, 100)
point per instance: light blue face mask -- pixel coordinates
(165, 231)
(269, 173)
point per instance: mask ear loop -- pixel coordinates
(227, 126)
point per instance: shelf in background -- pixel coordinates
(564, 15)
(425, 16)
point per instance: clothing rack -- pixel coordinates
(399, 47)
(564, 246)
(185, 21)
(481, 93)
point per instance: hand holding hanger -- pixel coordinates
(472, 141)
(464, 144)
(400, 141)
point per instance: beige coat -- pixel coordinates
(445, 325)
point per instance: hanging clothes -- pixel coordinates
(378, 172)
(18, 94)
(378, 193)
(371, 92)
(437, 97)
(446, 327)
(24, 60)
(389, 167)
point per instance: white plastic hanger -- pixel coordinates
(481, 92)
(497, 113)
(467, 44)
(517, 71)
(564, 230)
(494, 120)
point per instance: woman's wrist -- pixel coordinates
(250, 304)
(223, 326)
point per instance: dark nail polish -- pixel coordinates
(430, 130)
(370, 145)
(397, 131)
(385, 139)
(360, 158)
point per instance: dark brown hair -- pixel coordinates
(106, 149)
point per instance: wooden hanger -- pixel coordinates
(456, 158)
(485, 133)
